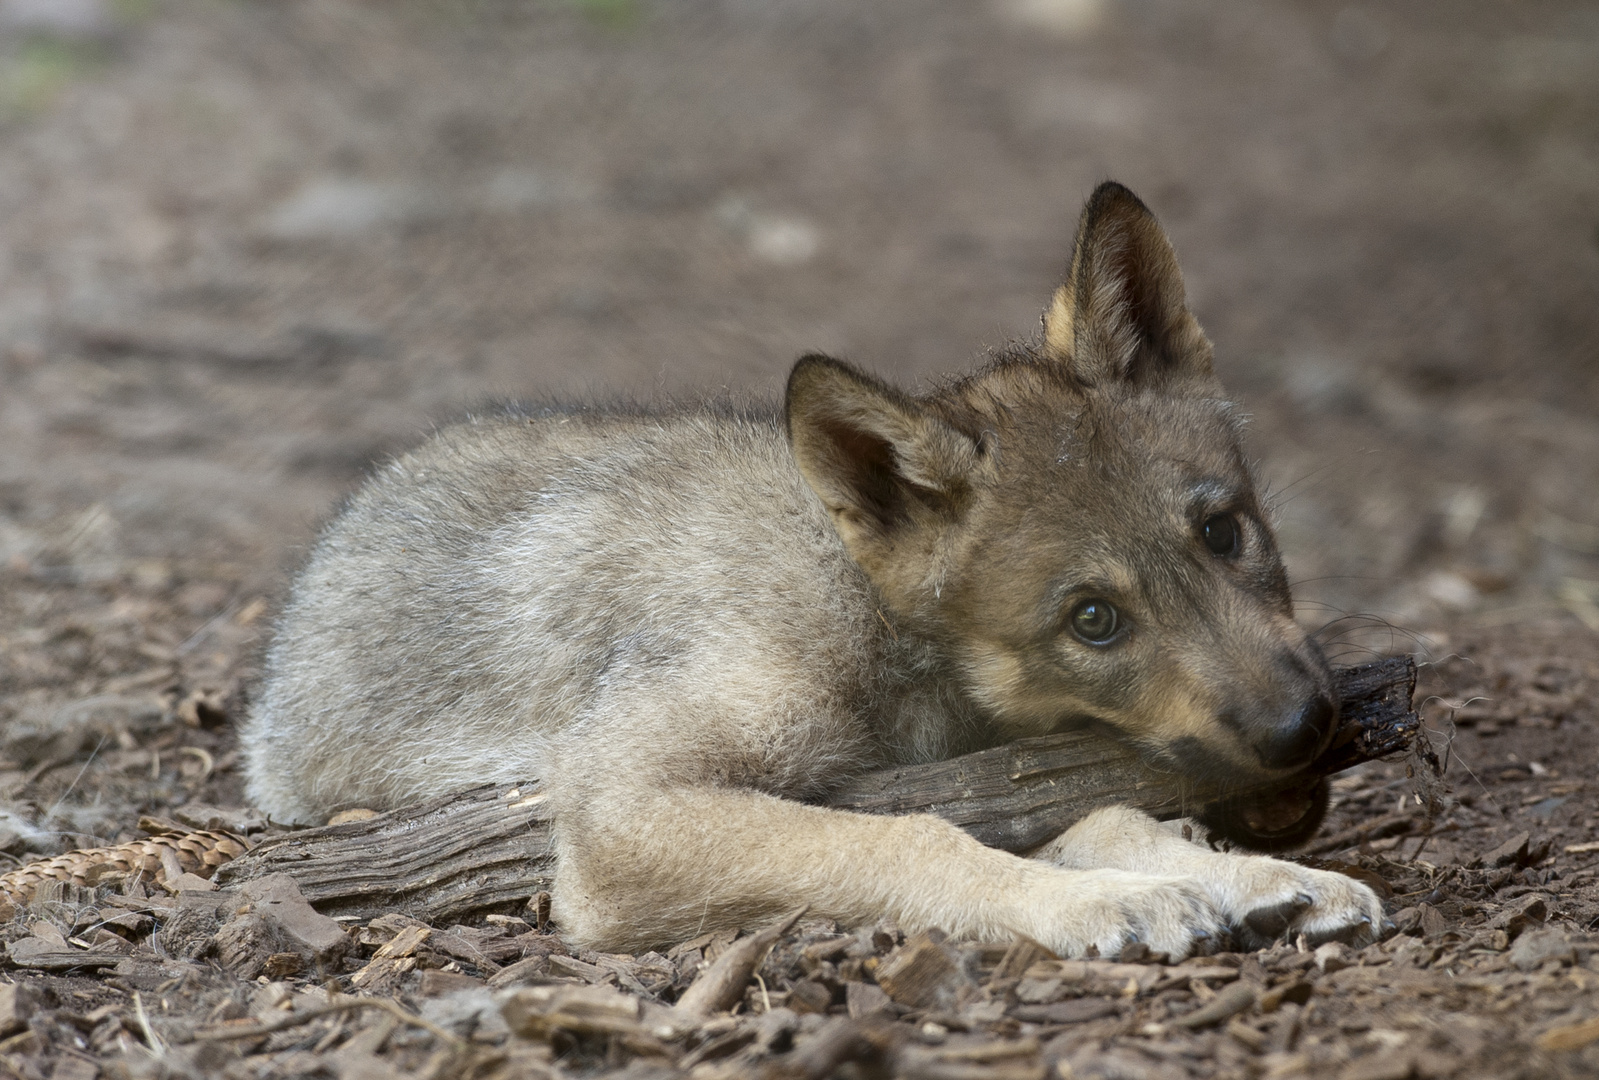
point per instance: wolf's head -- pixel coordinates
(1076, 525)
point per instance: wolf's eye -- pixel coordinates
(1095, 621)
(1221, 534)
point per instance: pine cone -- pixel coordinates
(155, 858)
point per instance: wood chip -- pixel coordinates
(12, 1014)
(722, 984)
(1070, 1011)
(537, 1012)
(1513, 852)
(922, 973)
(1570, 1037)
(1289, 993)
(1227, 1004)
(439, 983)
(41, 955)
(573, 968)
(865, 999)
(1023, 953)
(403, 944)
(381, 974)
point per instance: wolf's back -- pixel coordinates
(517, 578)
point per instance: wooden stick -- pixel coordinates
(488, 849)
(719, 986)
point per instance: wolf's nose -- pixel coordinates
(1298, 741)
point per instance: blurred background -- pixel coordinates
(247, 247)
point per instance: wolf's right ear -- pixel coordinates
(1122, 313)
(880, 461)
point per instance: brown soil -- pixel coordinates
(247, 248)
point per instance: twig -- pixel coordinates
(344, 1004)
(156, 1045)
(719, 985)
(1386, 826)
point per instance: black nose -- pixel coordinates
(1297, 741)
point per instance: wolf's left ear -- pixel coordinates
(1122, 313)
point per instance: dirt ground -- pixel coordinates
(247, 247)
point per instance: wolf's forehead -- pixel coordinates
(1146, 426)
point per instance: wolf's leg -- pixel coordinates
(640, 869)
(1261, 897)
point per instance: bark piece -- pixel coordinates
(810, 996)
(1377, 829)
(1022, 954)
(393, 960)
(1537, 947)
(278, 900)
(403, 944)
(1513, 852)
(1519, 915)
(1433, 924)
(1382, 1065)
(538, 1012)
(866, 1042)
(865, 999)
(1570, 1037)
(178, 883)
(1070, 1011)
(440, 983)
(722, 984)
(487, 849)
(523, 971)
(274, 922)
(42, 955)
(13, 1012)
(1289, 993)
(382, 976)
(1101, 976)
(1227, 1004)
(923, 974)
(1332, 957)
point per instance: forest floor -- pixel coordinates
(248, 248)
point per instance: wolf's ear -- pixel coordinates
(882, 463)
(1122, 313)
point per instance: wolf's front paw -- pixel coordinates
(1265, 900)
(1106, 910)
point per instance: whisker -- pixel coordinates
(1274, 497)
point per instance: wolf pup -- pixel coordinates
(689, 624)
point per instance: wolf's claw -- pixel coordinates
(1267, 924)
(1358, 932)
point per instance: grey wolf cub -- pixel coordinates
(688, 624)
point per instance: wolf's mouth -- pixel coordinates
(1273, 820)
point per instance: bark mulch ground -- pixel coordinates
(1492, 968)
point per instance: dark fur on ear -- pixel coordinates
(1122, 313)
(886, 467)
